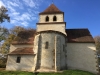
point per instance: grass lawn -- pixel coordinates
(67, 72)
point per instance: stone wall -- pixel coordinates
(36, 51)
(55, 27)
(48, 58)
(82, 56)
(59, 18)
(26, 63)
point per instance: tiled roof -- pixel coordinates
(79, 35)
(24, 50)
(24, 37)
(51, 10)
(28, 42)
(73, 35)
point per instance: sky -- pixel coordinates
(77, 13)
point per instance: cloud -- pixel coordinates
(13, 21)
(33, 3)
(15, 13)
(22, 12)
(30, 3)
(19, 23)
(25, 23)
(1, 4)
(13, 4)
(11, 8)
(23, 17)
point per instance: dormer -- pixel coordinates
(51, 14)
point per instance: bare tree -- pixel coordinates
(12, 34)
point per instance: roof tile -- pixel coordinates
(79, 35)
(51, 9)
(24, 37)
(73, 35)
(24, 50)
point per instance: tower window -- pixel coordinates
(18, 59)
(46, 45)
(47, 19)
(54, 18)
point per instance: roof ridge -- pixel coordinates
(51, 9)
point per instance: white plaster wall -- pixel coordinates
(26, 63)
(59, 18)
(55, 27)
(13, 47)
(82, 56)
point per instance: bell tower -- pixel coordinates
(50, 40)
(51, 19)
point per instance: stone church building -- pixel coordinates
(54, 48)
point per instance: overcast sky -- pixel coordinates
(78, 13)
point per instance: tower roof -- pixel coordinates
(51, 10)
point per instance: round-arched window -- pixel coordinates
(47, 19)
(54, 18)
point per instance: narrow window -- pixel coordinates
(47, 19)
(46, 45)
(54, 18)
(63, 48)
(18, 59)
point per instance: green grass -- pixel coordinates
(67, 72)
(15, 73)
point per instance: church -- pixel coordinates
(53, 47)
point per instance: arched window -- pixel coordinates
(54, 18)
(63, 47)
(47, 19)
(46, 45)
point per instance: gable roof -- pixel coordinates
(79, 35)
(24, 50)
(51, 10)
